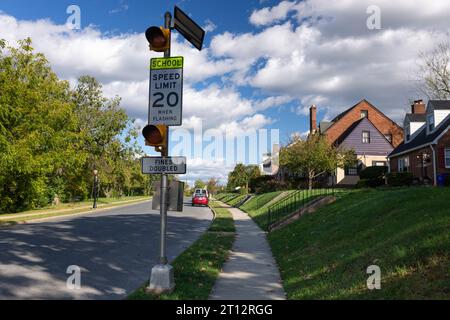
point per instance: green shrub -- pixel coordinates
(374, 172)
(447, 180)
(370, 183)
(397, 179)
(272, 185)
(363, 183)
(258, 182)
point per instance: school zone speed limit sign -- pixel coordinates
(166, 91)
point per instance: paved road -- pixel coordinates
(115, 250)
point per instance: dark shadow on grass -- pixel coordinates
(326, 256)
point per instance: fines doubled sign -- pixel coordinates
(166, 91)
(169, 165)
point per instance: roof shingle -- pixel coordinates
(421, 138)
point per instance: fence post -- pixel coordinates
(332, 186)
(303, 199)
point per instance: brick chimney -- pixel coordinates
(312, 119)
(418, 107)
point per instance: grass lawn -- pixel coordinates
(260, 214)
(197, 268)
(257, 207)
(259, 201)
(236, 200)
(405, 231)
(229, 197)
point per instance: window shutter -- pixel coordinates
(441, 158)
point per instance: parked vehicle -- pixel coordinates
(200, 197)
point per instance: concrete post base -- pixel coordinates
(161, 280)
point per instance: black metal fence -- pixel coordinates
(284, 208)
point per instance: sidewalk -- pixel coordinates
(251, 272)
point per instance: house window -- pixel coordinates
(351, 170)
(403, 164)
(364, 114)
(430, 119)
(407, 132)
(447, 158)
(379, 164)
(388, 137)
(366, 137)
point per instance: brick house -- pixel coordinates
(366, 130)
(426, 149)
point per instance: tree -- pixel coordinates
(313, 157)
(199, 184)
(51, 138)
(212, 185)
(39, 154)
(102, 123)
(241, 175)
(434, 72)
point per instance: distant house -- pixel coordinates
(426, 149)
(270, 162)
(366, 130)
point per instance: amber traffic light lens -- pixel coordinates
(152, 135)
(155, 37)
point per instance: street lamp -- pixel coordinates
(95, 188)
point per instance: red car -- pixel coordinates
(200, 198)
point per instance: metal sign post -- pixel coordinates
(162, 278)
(165, 109)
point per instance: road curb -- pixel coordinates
(10, 224)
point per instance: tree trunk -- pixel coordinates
(310, 181)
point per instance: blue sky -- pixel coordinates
(135, 15)
(264, 62)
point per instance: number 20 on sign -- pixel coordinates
(166, 91)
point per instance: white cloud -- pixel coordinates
(209, 26)
(121, 8)
(306, 52)
(205, 169)
(331, 58)
(272, 15)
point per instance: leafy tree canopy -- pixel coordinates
(314, 156)
(52, 137)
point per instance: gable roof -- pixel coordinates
(421, 139)
(349, 130)
(324, 125)
(354, 125)
(440, 104)
(341, 115)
